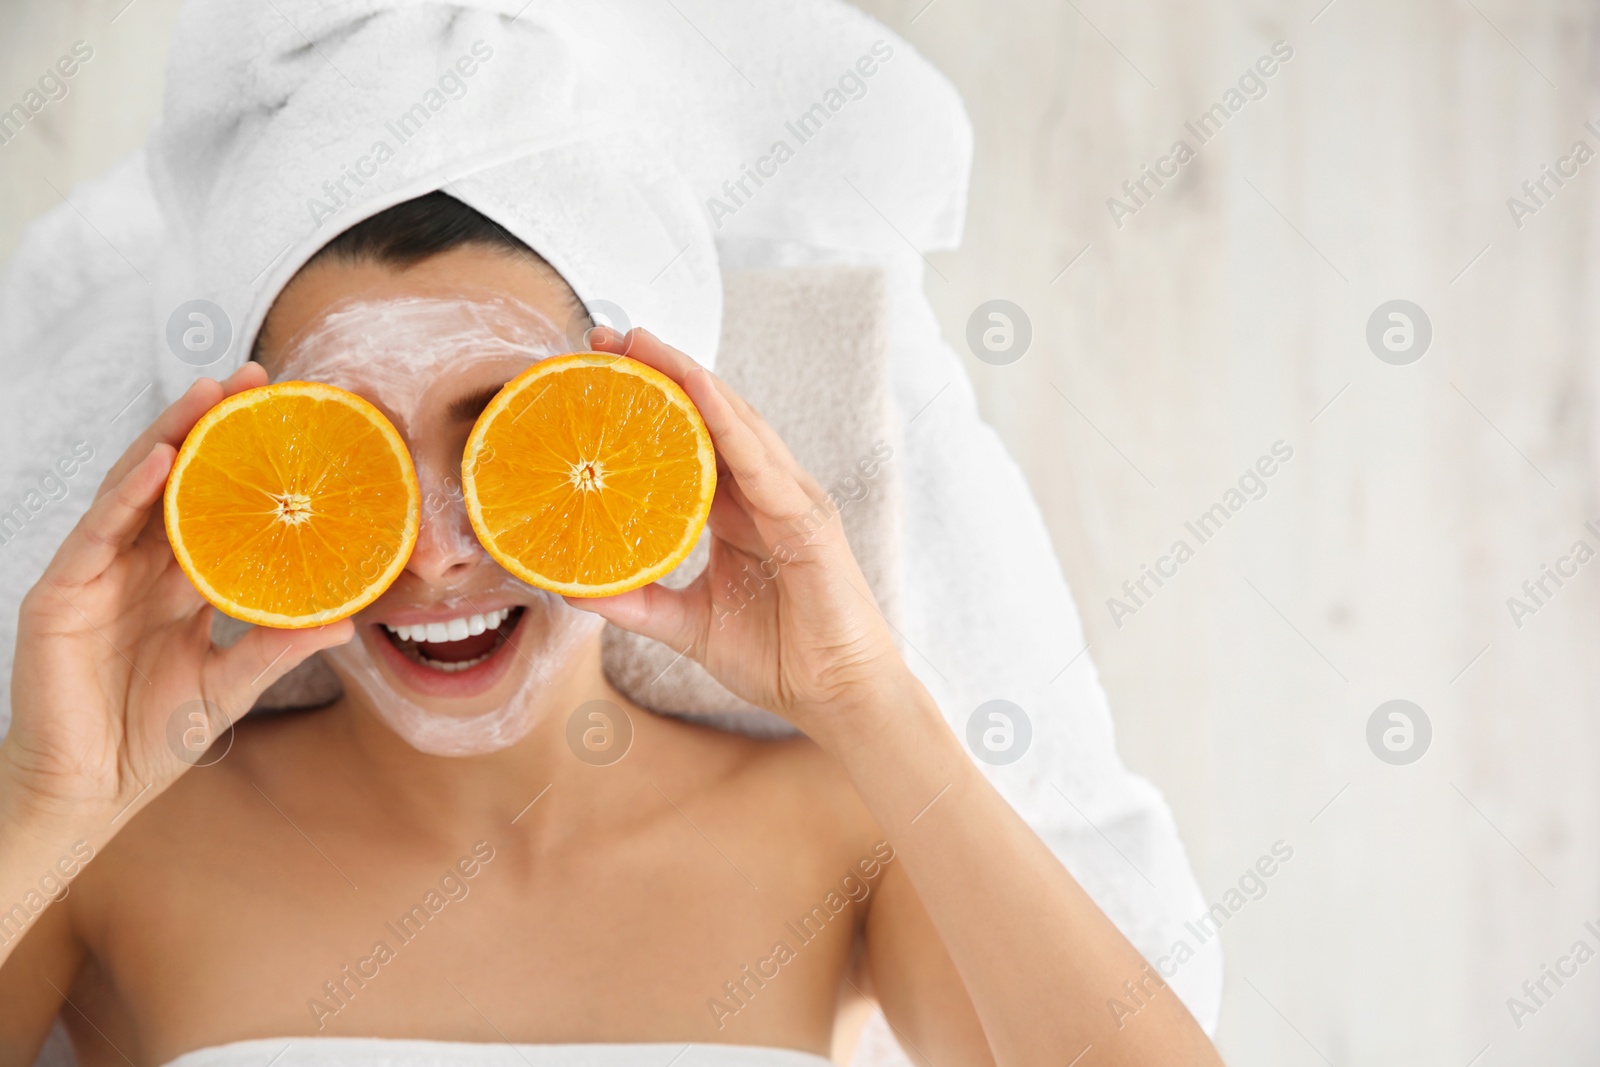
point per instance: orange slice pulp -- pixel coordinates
(292, 505)
(589, 475)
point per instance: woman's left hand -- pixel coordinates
(782, 615)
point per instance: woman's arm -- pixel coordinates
(44, 952)
(112, 642)
(1039, 960)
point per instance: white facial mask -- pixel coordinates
(411, 356)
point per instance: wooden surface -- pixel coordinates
(1227, 314)
(1223, 317)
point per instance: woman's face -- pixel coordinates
(455, 654)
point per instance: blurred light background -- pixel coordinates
(1229, 312)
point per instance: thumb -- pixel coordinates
(243, 672)
(675, 617)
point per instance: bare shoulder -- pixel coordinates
(209, 810)
(789, 773)
(786, 795)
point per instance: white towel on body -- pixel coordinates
(385, 1052)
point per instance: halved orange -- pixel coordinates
(589, 475)
(292, 505)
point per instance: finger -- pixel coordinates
(730, 521)
(774, 443)
(729, 418)
(241, 673)
(675, 617)
(170, 427)
(771, 488)
(250, 375)
(642, 345)
(174, 424)
(751, 451)
(113, 521)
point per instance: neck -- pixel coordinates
(442, 794)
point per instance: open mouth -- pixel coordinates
(458, 644)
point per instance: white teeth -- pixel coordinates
(457, 629)
(451, 668)
(450, 630)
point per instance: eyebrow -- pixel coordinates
(469, 407)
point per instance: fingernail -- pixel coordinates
(597, 335)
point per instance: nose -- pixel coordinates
(447, 549)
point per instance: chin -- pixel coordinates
(458, 737)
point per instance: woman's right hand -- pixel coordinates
(114, 643)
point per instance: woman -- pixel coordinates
(328, 879)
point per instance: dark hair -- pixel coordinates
(418, 229)
(411, 232)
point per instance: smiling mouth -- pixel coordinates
(455, 645)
